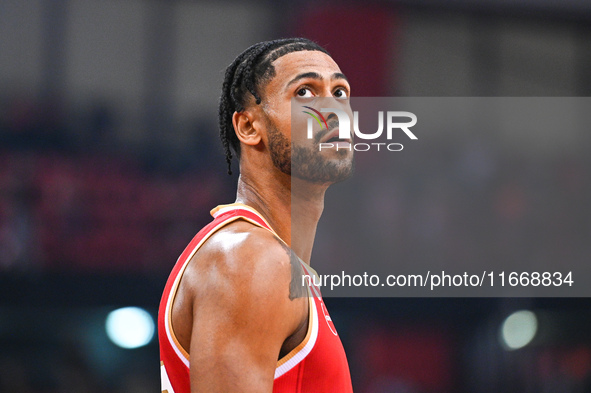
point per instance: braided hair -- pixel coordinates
(247, 73)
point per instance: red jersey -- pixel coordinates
(317, 365)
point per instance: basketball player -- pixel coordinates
(234, 316)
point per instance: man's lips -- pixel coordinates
(333, 136)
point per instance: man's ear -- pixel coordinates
(245, 129)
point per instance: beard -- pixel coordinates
(305, 162)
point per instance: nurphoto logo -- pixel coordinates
(395, 121)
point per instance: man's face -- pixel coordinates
(306, 78)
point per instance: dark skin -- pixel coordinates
(237, 310)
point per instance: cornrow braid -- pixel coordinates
(246, 75)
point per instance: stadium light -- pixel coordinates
(519, 329)
(130, 327)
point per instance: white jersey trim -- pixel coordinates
(166, 386)
(302, 353)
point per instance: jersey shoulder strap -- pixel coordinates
(239, 210)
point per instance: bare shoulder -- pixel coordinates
(244, 259)
(236, 312)
(242, 273)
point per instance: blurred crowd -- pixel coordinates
(464, 204)
(64, 204)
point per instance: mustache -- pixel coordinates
(332, 124)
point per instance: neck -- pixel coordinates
(291, 206)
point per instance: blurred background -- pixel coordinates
(110, 163)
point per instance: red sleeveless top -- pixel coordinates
(317, 365)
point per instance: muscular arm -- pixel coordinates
(242, 311)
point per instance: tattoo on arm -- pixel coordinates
(297, 286)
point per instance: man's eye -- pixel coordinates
(304, 92)
(340, 93)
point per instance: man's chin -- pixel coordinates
(323, 173)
